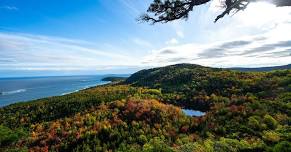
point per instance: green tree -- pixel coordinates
(254, 122)
(157, 145)
(8, 136)
(271, 136)
(284, 146)
(270, 122)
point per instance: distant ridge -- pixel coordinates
(172, 75)
(262, 69)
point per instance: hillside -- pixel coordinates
(171, 75)
(263, 69)
(191, 85)
(114, 79)
(245, 111)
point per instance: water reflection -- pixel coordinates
(192, 113)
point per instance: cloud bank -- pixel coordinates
(34, 52)
(260, 36)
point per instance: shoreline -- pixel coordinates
(59, 95)
(87, 87)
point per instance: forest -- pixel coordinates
(245, 111)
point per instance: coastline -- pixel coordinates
(87, 87)
(24, 94)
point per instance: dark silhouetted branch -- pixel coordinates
(163, 11)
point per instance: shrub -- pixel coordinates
(283, 146)
(191, 147)
(8, 136)
(271, 136)
(270, 122)
(254, 123)
(157, 145)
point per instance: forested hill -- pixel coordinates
(245, 111)
(189, 84)
(186, 73)
(194, 79)
(263, 69)
(169, 75)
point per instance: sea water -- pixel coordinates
(14, 90)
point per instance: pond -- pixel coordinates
(192, 113)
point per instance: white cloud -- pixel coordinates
(258, 36)
(130, 7)
(265, 26)
(180, 34)
(260, 50)
(23, 51)
(172, 41)
(12, 8)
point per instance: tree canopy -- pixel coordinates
(163, 11)
(244, 111)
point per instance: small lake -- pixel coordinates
(192, 113)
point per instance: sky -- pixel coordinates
(75, 37)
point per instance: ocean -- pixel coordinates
(13, 90)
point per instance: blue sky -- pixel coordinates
(63, 37)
